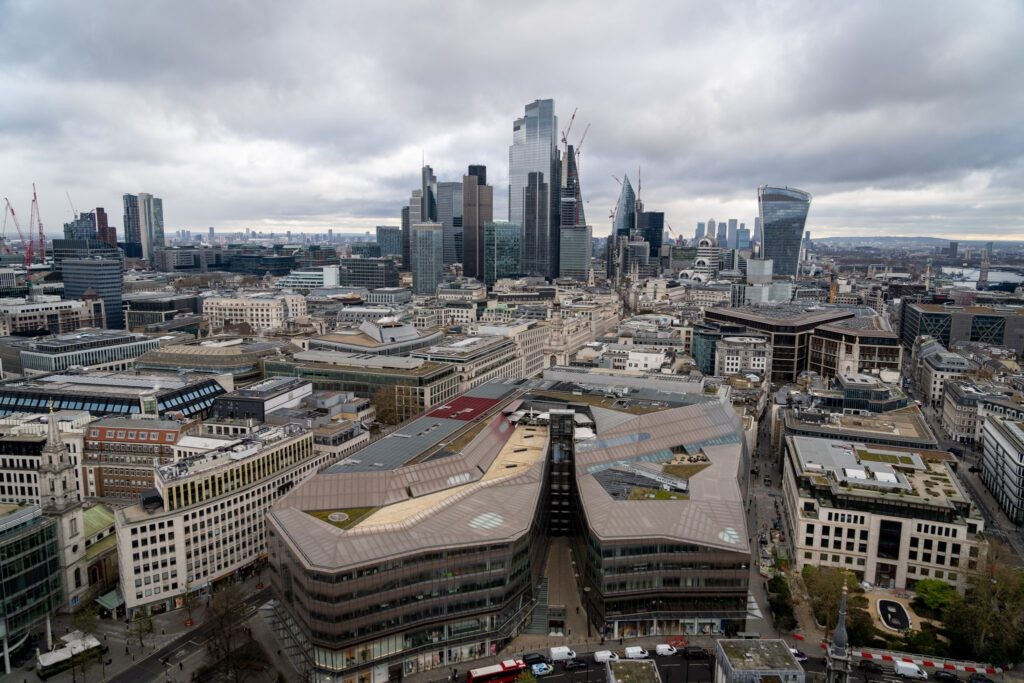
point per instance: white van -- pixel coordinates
(561, 654)
(909, 670)
(636, 652)
(602, 656)
(664, 650)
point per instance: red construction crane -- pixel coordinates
(41, 251)
(565, 133)
(21, 235)
(579, 145)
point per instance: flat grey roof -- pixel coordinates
(399, 447)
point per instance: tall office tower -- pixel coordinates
(477, 211)
(537, 254)
(711, 230)
(534, 152)
(132, 230)
(783, 216)
(722, 234)
(105, 277)
(406, 237)
(389, 237)
(651, 224)
(427, 257)
(81, 228)
(104, 231)
(570, 210)
(758, 237)
(574, 257)
(700, 232)
(954, 249)
(449, 214)
(988, 248)
(151, 224)
(742, 237)
(623, 226)
(731, 233)
(213, 234)
(502, 251)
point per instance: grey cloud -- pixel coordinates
(316, 113)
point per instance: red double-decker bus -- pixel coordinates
(503, 672)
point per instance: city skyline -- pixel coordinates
(907, 137)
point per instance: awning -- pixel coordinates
(111, 600)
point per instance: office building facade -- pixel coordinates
(427, 257)
(533, 181)
(103, 278)
(575, 251)
(389, 238)
(502, 251)
(477, 211)
(783, 217)
(449, 215)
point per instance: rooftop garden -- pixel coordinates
(644, 493)
(345, 518)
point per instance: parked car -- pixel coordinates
(572, 664)
(909, 670)
(602, 656)
(561, 653)
(946, 676)
(978, 678)
(799, 656)
(636, 652)
(694, 652)
(541, 669)
(869, 666)
(531, 658)
(664, 650)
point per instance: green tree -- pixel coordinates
(935, 595)
(825, 588)
(988, 624)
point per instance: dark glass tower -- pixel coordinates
(783, 216)
(651, 224)
(477, 211)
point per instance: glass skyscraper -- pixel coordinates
(625, 223)
(574, 258)
(651, 224)
(427, 257)
(534, 154)
(783, 216)
(477, 211)
(389, 237)
(502, 251)
(449, 214)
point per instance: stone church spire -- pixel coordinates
(837, 656)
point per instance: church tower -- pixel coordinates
(837, 656)
(61, 500)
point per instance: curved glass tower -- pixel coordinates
(783, 215)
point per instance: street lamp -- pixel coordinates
(586, 607)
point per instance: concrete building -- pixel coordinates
(382, 338)
(44, 312)
(109, 350)
(257, 401)
(461, 505)
(235, 357)
(121, 454)
(312, 278)
(1002, 447)
(937, 369)
(855, 345)
(789, 327)
(477, 359)
(529, 337)
(960, 401)
(890, 516)
(998, 326)
(205, 519)
(263, 312)
(417, 384)
(755, 661)
(735, 355)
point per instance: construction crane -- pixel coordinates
(36, 220)
(616, 179)
(74, 211)
(565, 133)
(21, 235)
(579, 145)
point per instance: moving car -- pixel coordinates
(799, 656)
(541, 669)
(664, 650)
(561, 653)
(946, 676)
(978, 678)
(602, 656)
(532, 658)
(870, 666)
(572, 664)
(694, 652)
(636, 652)
(909, 670)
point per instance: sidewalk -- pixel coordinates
(124, 649)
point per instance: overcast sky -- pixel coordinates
(900, 118)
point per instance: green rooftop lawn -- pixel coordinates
(643, 493)
(685, 470)
(885, 457)
(355, 515)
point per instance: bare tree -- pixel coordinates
(228, 635)
(385, 400)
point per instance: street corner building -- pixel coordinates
(436, 544)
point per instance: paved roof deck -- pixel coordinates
(524, 449)
(465, 408)
(759, 655)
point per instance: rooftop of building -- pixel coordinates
(227, 452)
(758, 655)
(16, 515)
(460, 475)
(372, 334)
(922, 476)
(74, 341)
(975, 310)
(797, 313)
(876, 324)
(459, 347)
(269, 388)
(367, 362)
(906, 423)
(106, 383)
